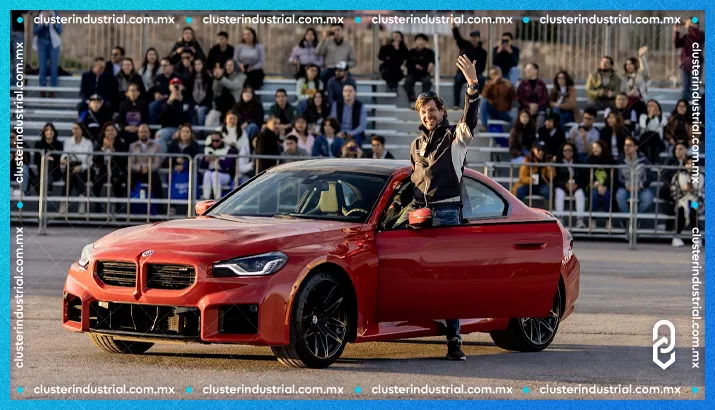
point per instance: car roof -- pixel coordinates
(384, 167)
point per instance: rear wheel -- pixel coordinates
(531, 334)
(320, 323)
(112, 345)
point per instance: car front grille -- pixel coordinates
(117, 273)
(170, 276)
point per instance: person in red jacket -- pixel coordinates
(691, 44)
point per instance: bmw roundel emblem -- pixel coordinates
(147, 253)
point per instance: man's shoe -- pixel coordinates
(677, 242)
(454, 350)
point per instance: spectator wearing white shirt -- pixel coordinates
(75, 162)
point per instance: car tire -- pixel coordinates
(112, 345)
(323, 300)
(531, 334)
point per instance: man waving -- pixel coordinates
(438, 157)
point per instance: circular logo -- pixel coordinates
(147, 253)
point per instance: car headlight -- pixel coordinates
(85, 256)
(257, 265)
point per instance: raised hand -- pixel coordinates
(468, 69)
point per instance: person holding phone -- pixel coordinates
(506, 56)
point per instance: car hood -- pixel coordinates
(208, 239)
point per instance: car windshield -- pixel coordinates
(332, 195)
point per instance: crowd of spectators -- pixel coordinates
(154, 106)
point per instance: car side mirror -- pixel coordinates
(420, 218)
(202, 206)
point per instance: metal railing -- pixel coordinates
(103, 206)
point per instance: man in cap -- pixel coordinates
(334, 87)
(97, 115)
(475, 52)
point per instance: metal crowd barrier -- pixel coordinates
(135, 206)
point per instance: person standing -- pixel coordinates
(267, 143)
(47, 42)
(438, 157)
(686, 41)
(475, 52)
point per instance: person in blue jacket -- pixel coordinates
(47, 33)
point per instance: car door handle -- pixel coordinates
(529, 245)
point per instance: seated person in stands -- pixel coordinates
(283, 111)
(96, 81)
(306, 86)
(49, 142)
(114, 64)
(334, 87)
(291, 149)
(219, 169)
(614, 134)
(521, 137)
(680, 154)
(160, 91)
(351, 115)
(498, 95)
(532, 94)
(329, 143)
(132, 112)
(601, 182)
(305, 139)
(570, 182)
(186, 42)
(562, 99)
(652, 125)
(75, 163)
(185, 67)
(219, 53)
(228, 85)
(680, 124)
(316, 111)
(250, 112)
(97, 115)
(626, 112)
(552, 135)
(185, 144)
(109, 167)
(378, 148)
(146, 167)
(534, 178)
(128, 75)
(352, 150)
(200, 86)
(583, 135)
(603, 85)
(688, 194)
(231, 131)
(176, 111)
(250, 57)
(420, 65)
(644, 178)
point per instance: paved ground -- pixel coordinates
(607, 342)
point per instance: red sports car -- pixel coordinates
(311, 255)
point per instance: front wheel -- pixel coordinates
(320, 323)
(531, 334)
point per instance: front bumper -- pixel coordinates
(211, 310)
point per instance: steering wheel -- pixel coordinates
(357, 210)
